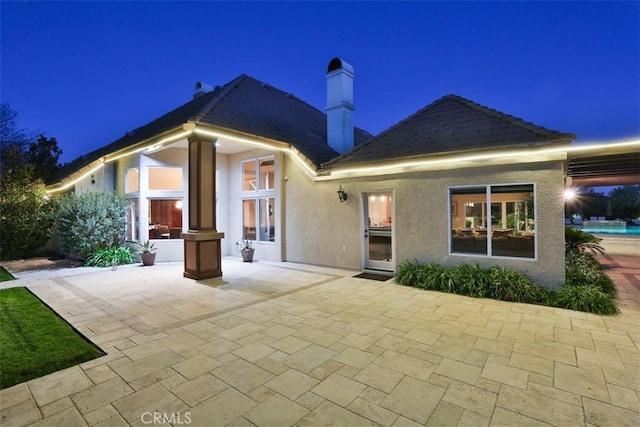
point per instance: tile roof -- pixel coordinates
(449, 124)
(245, 105)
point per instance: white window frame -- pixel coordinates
(487, 219)
(132, 220)
(128, 190)
(257, 195)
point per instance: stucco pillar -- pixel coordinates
(202, 248)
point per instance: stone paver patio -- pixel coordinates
(282, 344)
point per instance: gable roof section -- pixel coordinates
(257, 108)
(162, 124)
(449, 124)
(245, 105)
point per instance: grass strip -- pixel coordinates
(5, 275)
(35, 341)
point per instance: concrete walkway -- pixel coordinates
(281, 344)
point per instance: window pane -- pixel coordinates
(249, 176)
(132, 220)
(165, 178)
(249, 219)
(267, 173)
(132, 182)
(165, 218)
(468, 220)
(512, 208)
(267, 220)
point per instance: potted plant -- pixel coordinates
(147, 253)
(246, 249)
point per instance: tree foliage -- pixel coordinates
(25, 213)
(25, 164)
(87, 223)
(625, 201)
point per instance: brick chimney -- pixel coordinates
(340, 105)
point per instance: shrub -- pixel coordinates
(509, 285)
(595, 295)
(578, 241)
(89, 222)
(407, 273)
(472, 280)
(109, 257)
(25, 214)
(589, 298)
(582, 269)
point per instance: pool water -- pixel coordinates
(621, 230)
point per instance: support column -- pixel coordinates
(202, 242)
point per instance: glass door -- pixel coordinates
(378, 231)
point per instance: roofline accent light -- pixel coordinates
(403, 166)
(103, 160)
(279, 146)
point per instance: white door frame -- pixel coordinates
(366, 230)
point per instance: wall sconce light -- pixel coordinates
(93, 181)
(342, 195)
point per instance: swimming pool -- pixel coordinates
(622, 230)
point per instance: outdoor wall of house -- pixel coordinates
(120, 169)
(222, 202)
(266, 250)
(321, 230)
(102, 179)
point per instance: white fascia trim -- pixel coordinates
(531, 155)
(170, 137)
(306, 165)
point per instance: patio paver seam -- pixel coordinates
(237, 307)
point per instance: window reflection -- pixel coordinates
(165, 218)
(506, 213)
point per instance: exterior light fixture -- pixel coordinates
(342, 195)
(569, 194)
(179, 204)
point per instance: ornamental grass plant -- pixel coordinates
(587, 288)
(472, 280)
(111, 257)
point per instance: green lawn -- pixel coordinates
(4, 275)
(34, 341)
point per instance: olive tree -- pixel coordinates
(88, 222)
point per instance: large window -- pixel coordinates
(132, 182)
(165, 178)
(264, 179)
(258, 201)
(165, 218)
(497, 220)
(133, 214)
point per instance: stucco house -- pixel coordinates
(455, 182)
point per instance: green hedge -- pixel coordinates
(587, 287)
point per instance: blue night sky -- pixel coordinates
(87, 72)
